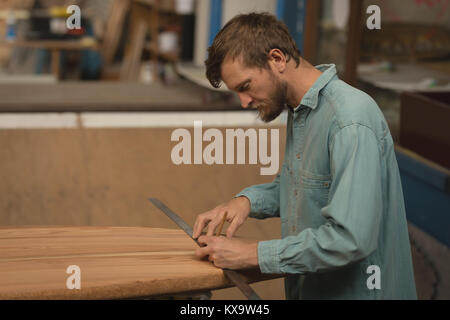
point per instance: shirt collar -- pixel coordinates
(311, 97)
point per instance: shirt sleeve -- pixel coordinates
(264, 199)
(352, 215)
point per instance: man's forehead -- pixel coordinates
(230, 64)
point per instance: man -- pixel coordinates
(339, 195)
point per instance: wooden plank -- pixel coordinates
(144, 19)
(51, 44)
(132, 59)
(154, 25)
(137, 49)
(353, 41)
(426, 162)
(311, 31)
(55, 63)
(428, 136)
(114, 29)
(115, 262)
(103, 176)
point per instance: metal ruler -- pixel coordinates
(234, 277)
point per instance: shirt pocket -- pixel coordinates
(315, 189)
(314, 181)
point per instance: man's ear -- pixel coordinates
(277, 60)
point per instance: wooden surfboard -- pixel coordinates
(113, 263)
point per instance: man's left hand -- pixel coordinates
(229, 253)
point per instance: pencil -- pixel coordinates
(219, 231)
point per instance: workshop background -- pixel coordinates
(86, 115)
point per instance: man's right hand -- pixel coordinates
(237, 210)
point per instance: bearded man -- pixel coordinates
(338, 194)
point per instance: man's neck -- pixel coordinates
(300, 80)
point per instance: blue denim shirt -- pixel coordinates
(340, 201)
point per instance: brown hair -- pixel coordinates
(252, 36)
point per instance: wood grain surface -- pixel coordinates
(104, 176)
(115, 263)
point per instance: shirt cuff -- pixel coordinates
(268, 258)
(256, 203)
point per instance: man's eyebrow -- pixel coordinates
(242, 84)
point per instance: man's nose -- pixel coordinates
(246, 100)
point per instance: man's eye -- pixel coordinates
(244, 88)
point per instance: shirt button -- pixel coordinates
(298, 155)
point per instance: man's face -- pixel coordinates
(257, 88)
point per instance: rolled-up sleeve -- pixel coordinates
(353, 212)
(264, 199)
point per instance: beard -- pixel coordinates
(269, 109)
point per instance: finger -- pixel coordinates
(204, 240)
(200, 223)
(213, 225)
(198, 226)
(202, 252)
(232, 228)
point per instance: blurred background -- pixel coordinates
(86, 114)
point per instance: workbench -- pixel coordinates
(76, 96)
(38, 262)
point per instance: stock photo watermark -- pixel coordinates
(374, 280)
(214, 152)
(374, 20)
(74, 20)
(74, 280)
